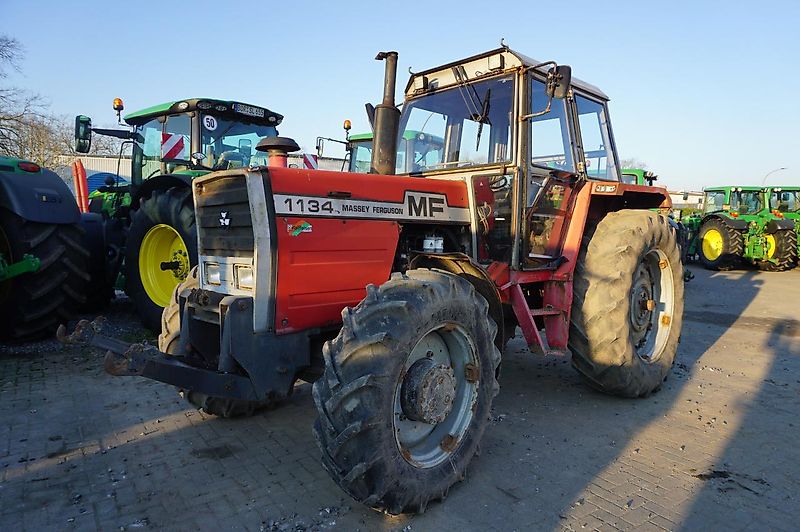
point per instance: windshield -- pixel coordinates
(166, 145)
(785, 201)
(472, 123)
(746, 202)
(231, 144)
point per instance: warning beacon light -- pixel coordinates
(118, 107)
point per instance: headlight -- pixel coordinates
(212, 273)
(244, 277)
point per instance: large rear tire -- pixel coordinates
(627, 307)
(720, 246)
(407, 390)
(783, 248)
(33, 305)
(160, 250)
(168, 342)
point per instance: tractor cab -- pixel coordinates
(785, 201)
(521, 132)
(415, 151)
(638, 176)
(737, 202)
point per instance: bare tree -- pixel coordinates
(27, 130)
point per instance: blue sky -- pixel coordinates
(703, 92)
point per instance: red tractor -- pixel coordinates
(395, 294)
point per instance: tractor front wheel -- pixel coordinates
(168, 342)
(721, 247)
(627, 304)
(160, 250)
(782, 248)
(407, 390)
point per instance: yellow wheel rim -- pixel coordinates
(163, 263)
(712, 244)
(771, 245)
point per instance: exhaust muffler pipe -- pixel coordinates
(387, 121)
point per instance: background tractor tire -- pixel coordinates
(168, 342)
(720, 246)
(33, 305)
(162, 231)
(627, 307)
(359, 427)
(785, 251)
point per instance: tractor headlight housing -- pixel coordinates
(213, 273)
(244, 277)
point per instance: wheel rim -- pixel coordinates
(712, 244)
(163, 263)
(651, 305)
(771, 246)
(439, 387)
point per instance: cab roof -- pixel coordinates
(231, 109)
(492, 62)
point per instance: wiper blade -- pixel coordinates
(483, 118)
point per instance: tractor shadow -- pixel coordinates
(758, 466)
(133, 453)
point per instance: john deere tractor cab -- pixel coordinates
(638, 176)
(737, 225)
(415, 152)
(171, 144)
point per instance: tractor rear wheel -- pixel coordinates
(168, 342)
(721, 247)
(627, 304)
(407, 390)
(33, 305)
(782, 248)
(160, 250)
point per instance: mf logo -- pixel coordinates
(224, 221)
(422, 205)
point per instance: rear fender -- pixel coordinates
(779, 225)
(41, 197)
(733, 223)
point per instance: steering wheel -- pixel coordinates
(228, 157)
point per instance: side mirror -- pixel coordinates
(246, 147)
(558, 81)
(83, 134)
(320, 146)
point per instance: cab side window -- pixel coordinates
(550, 143)
(596, 139)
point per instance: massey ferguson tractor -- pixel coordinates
(395, 294)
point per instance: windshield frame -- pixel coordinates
(453, 132)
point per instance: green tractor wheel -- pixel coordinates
(721, 246)
(32, 305)
(782, 247)
(160, 251)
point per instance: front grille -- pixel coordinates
(224, 223)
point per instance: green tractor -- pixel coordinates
(785, 202)
(737, 224)
(42, 258)
(143, 235)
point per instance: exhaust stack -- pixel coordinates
(387, 121)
